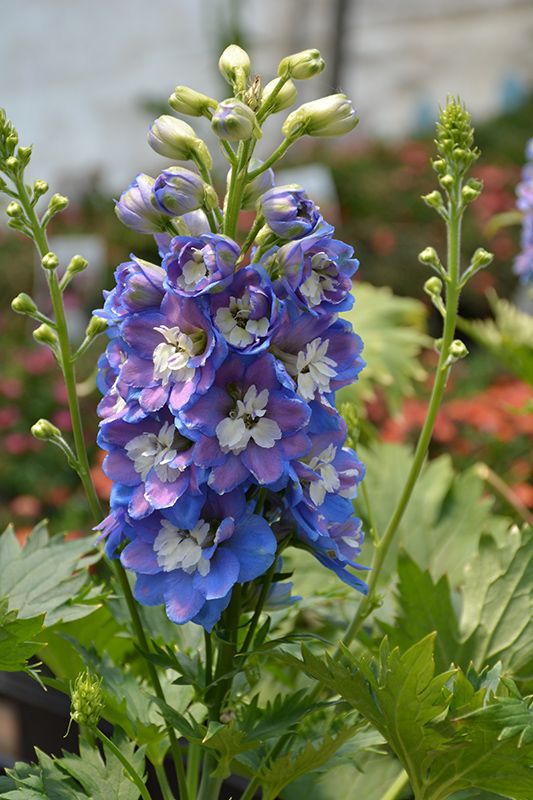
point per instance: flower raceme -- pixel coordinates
(222, 439)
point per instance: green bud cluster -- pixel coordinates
(87, 700)
(455, 139)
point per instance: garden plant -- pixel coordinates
(274, 595)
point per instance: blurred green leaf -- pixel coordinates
(104, 779)
(17, 638)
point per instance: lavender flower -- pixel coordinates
(289, 212)
(137, 208)
(523, 266)
(178, 190)
(195, 266)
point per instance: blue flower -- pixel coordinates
(195, 266)
(137, 208)
(289, 212)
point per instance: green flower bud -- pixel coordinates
(302, 65)
(45, 335)
(23, 304)
(77, 264)
(234, 65)
(87, 700)
(429, 257)
(329, 116)
(44, 430)
(439, 165)
(188, 101)
(14, 209)
(434, 200)
(12, 163)
(469, 194)
(458, 350)
(58, 202)
(96, 326)
(285, 97)
(234, 121)
(176, 139)
(481, 258)
(446, 181)
(433, 287)
(40, 188)
(50, 261)
(12, 141)
(24, 153)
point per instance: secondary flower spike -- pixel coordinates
(226, 352)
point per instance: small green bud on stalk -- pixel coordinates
(458, 350)
(23, 304)
(45, 431)
(58, 202)
(40, 188)
(429, 257)
(235, 121)
(96, 326)
(12, 163)
(434, 200)
(234, 65)
(302, 66)
(433, 287)
(284, 98)
(174, 138)
(77, 264)
(45, 335)
(12, 141)
(24, 154)
(329, 116)
(439, 165)
(446, 181)
(188, 101)
(87, 700)
(50, 261)
(481, 258)
(14, 210)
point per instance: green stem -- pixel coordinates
(210, 784)
(215, 216)
(193, 766)
(162, 779)
(396, 787)
(374, 533)
(251, 789)
(133, 774)
(278, 153)
(264, 111)
(208, 658)
(81, 454)
(439, 385)
(236, 188)
(267, 582)
(254, 230)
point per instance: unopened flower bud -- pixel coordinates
(234, 65)
(289, 212)
(446, 181)
(302, 65)
(458, 350)
(433, 287)
(284, 98)
(137, 209)
(44, 430)
(87, 700)
(433, 200)
(24, 153)
(40, 188)
(50, 261)
(234, 121)
(77, 264)
(329, 116)
(257, 187)
(173, 138)
(45, 335)
(481, 258)
(96, 326)
(429, 256)
(14, 210)
(178, 190)
(12, 163)
(468, 194)
(23, 304)
(58, 202)
(439, 165)
(12, 140)
(188, 101)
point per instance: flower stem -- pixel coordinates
(267, 582)
(278, 153)
(254, 230)
(236, 188)
(133, 774)
(162, 779)
(439, 385)
(83, 469)
(396, 787)
(193, 765)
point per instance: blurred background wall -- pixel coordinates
(78, 77)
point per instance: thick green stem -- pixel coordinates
(133, 774)
(254, 230)
(210, 784)
(82, 460)
(162, 779)
(396, 787)
(193, 766)
(236, 188)
(439, 385)
(267, 582)
(278, 153)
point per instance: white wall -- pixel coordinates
(73, 72)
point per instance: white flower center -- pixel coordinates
(319, 281)
(179, 549)
(247, 421)
(156, 450)
(314, 369)
(329, 478)
(193, 271)
(235, 324)
(171, 357)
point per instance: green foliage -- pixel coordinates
(48, 575)
(393, 330)
(494, 622)
(448, 734)
(17, 643)
(73, 777)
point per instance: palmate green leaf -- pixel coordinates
(41, 781)
(442, 728)
(17, 638)
(287, 768)
(393, 330)
(48, 575)
(104, 779)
